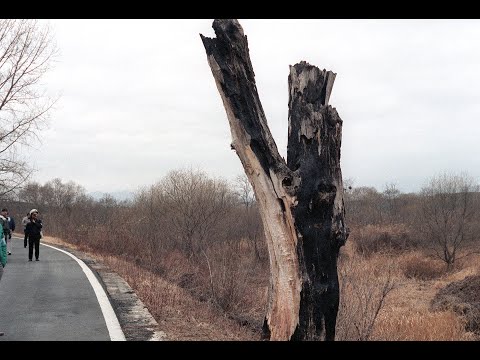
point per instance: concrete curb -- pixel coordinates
(135, 320)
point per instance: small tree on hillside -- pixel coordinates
(449, 204)
(391, 196)
(195, 207)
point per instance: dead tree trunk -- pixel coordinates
(301, 203)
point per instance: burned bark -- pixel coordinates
(301, 202)
(314, 140)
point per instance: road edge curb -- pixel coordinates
(135, 319)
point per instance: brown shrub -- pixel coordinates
(372, 239)
(462, 297)
(236, 282)
(181, 316)
(364, 286)
(422, 268)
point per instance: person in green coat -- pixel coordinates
(3, 257)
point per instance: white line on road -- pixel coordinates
(113, 326)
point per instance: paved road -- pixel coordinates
(50, 299)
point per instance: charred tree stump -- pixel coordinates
(301, 201)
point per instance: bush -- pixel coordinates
(463, 297)
(364, 287)
(421, 268)
(386, 238)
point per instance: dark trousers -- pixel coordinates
(31, 241)
(25, 238)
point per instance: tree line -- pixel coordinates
(205, 234)
(189, 211)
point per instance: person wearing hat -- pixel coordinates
(33, 231)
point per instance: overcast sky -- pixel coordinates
(138, 98)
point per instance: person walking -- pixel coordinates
(34, 228)
(5, 226)
(11, 227)
(3, 257)
(25, 220)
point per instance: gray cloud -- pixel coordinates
(139, 98)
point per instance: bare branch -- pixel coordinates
(26, 52)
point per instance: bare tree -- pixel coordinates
(301, 200)
(391, 195)
(26, 54)
(364, 205)
(245, 190)
(30, 193)
(250, 217)
(57, 201)
(150, 209)
(449, 206)
(56, 195)
(195, 206)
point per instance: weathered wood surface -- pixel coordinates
(301, 203)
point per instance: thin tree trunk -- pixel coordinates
(301, 204)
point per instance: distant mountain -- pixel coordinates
(118, 195)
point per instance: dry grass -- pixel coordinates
(373, 239)
(180, 315)
(404, 324)
(418, 266)
(407, 314)
(465, 266)
(404, 314)
(463, 298)
(51, 240)
(365, 284)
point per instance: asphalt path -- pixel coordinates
(53, 299)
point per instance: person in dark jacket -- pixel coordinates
(33, 229)
(11, 225)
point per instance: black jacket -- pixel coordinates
(11, 223)
(33, 228)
